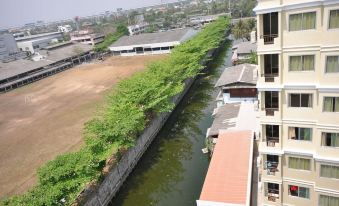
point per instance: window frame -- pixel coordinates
(302, 16)
(306, 188)
(332, 178)
(323, 106)
(326, 57)
(302, 62)
(329, 19)
(298, 138)
(300, 94)
(323, 135)
(328, 196)
(309, 170)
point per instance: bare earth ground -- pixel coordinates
(46, 118)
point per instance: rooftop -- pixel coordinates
(228, 178)
(179, 35)
(245, 47)
(24, 65)
(235, 116)
(36, 36)
(242, 73)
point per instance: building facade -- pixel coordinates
(298, 84)
(86, 37)
(33, 43)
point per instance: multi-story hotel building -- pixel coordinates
(298, 84)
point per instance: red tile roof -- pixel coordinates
(227, 179)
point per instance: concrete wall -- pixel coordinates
(111, 184)
(115, 178)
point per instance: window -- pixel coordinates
(297, 133)
(272, 131)
(302, 21)
(331, 104)
(300, 100)
(271, 100)
(332, 64)
(325, 200)
(273, 188)
(299, 163)
(297, 191)
(330, 139)
(329, 171)
(334, 19)
(302, 63)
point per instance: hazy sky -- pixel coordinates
(19, 12)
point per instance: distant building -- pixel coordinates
(7, 46)
(201, 20)
(86, 37)
(65, 28)
(242, 51)
(137, 29)
(238, 84)
(151, 43)
(33, 43)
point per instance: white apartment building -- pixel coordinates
(298, 84)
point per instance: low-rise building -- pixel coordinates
(34, 43)
(238, 84)
(86, 37)
(65, 28)
(151, 43)
(243, 51)
(137, 28)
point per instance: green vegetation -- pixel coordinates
(243, 28)
(111, 38)
(129, 108)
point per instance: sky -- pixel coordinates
(19, 12)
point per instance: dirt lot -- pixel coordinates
(46, 118)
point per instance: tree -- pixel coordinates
(240, 31)
(122, 29)
(253, 58)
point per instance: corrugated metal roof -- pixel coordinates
(245, 47)
(224, 118)
(242, 73)
(228, 179)
(152, 38)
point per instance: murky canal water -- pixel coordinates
(173, 169)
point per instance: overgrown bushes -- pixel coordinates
(111, 38)
(129, 107)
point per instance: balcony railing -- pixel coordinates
(270, 111)
(272, 194)
(271, 141)
(271, 167)
(269, 39)
(269, 77)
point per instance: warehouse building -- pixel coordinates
(151, 43)
(33, 43)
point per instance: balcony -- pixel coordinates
(268, 38)
(272, 141)
(272, 192)
(271, 67)
(271, 102)
(270, 27)
(271, 164)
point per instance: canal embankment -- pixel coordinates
(173, 169)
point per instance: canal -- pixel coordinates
(173, 169)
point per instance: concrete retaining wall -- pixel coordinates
(115, 178)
